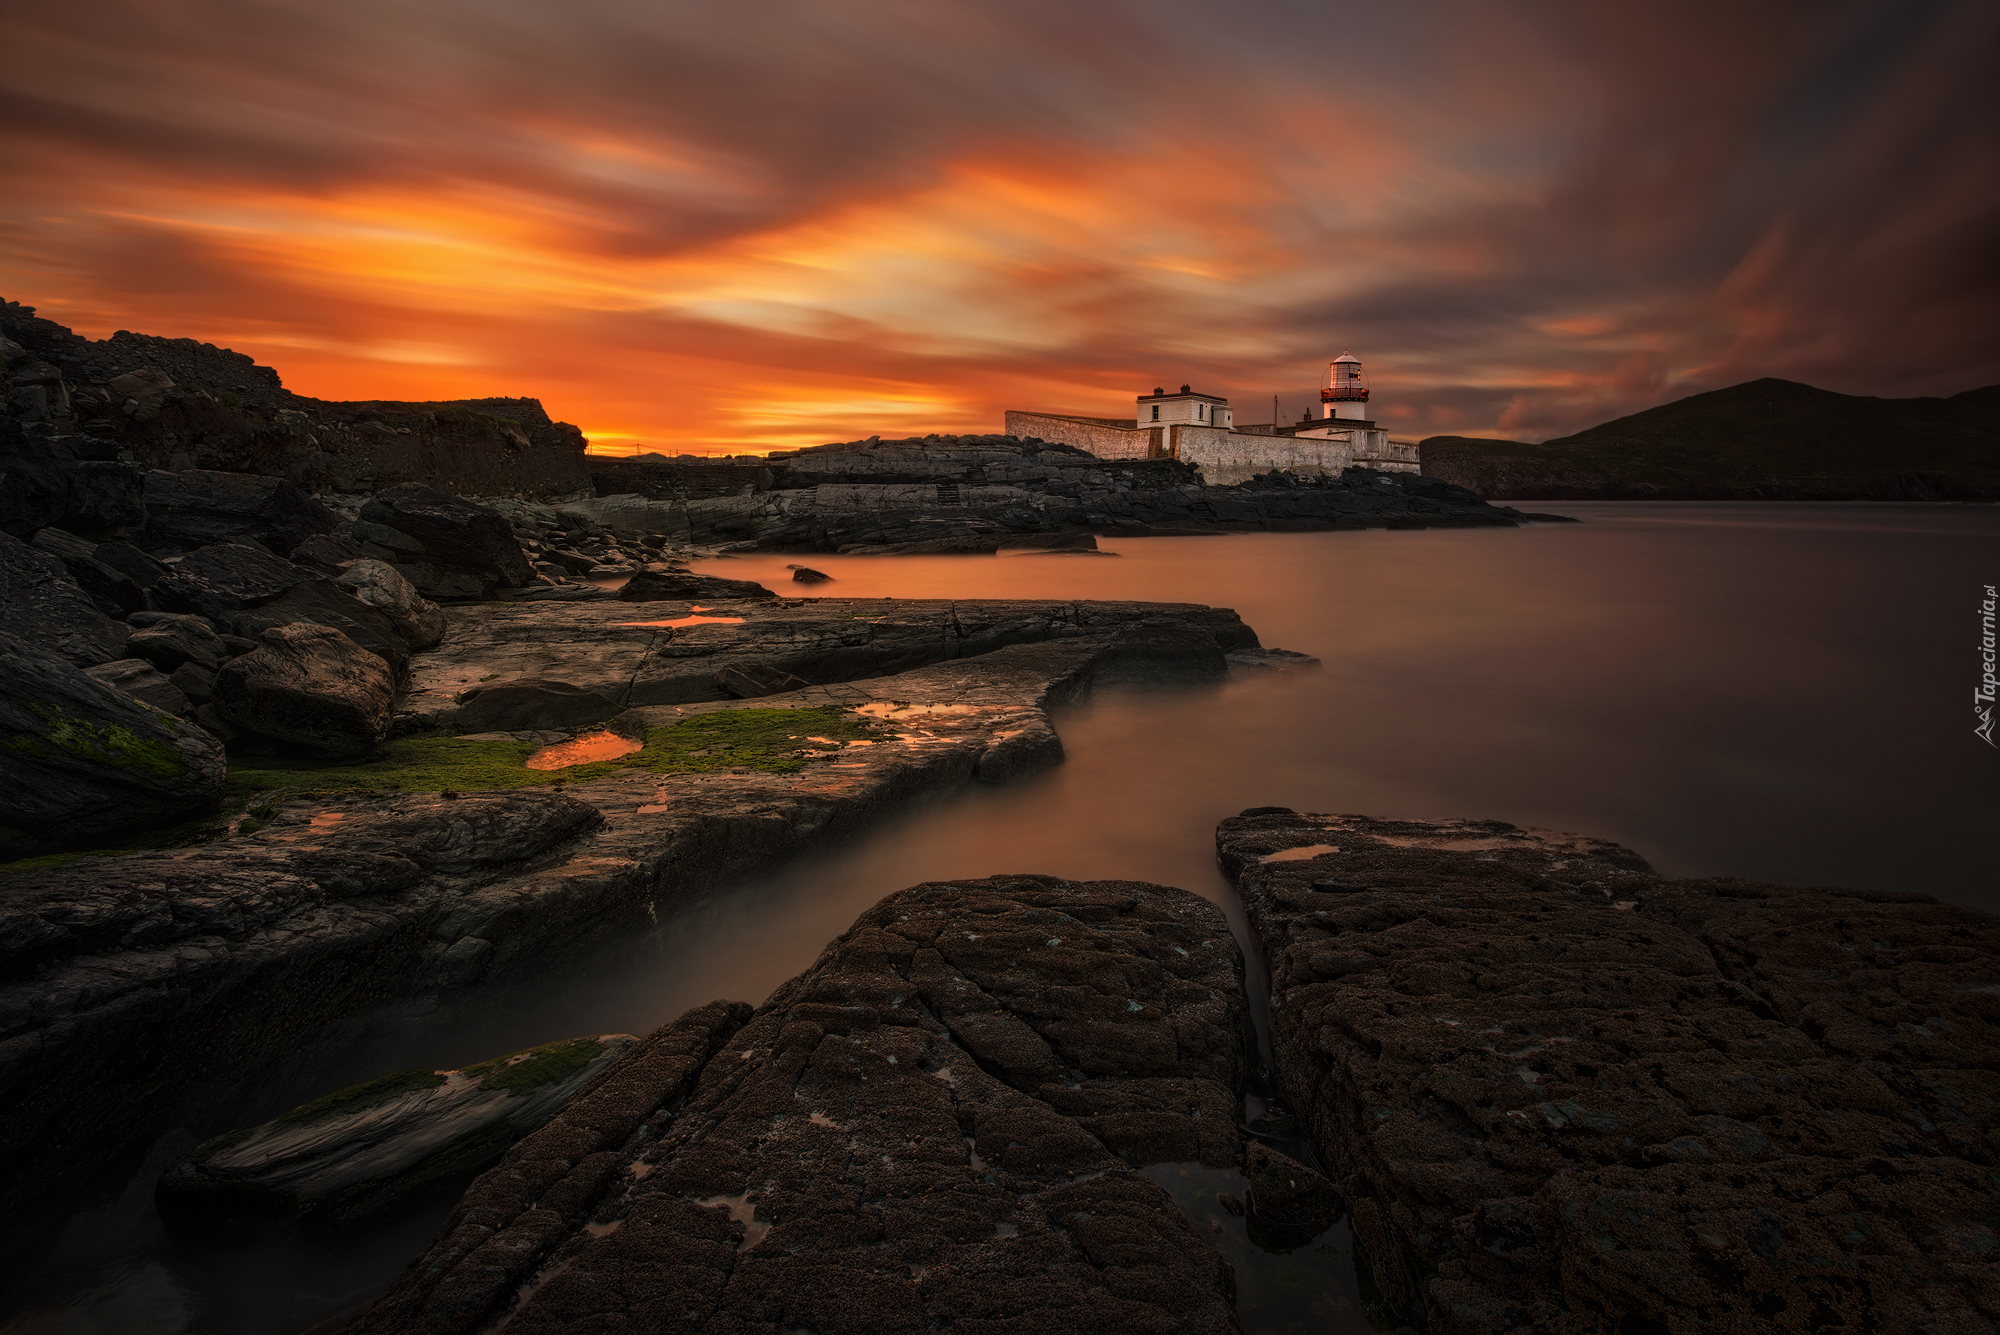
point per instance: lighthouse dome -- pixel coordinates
(1347, 357)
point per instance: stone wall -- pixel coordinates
(1095, 434)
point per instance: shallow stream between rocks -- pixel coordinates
(1769, 691)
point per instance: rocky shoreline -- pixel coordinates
(134, 978)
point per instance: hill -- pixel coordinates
(1767, 440)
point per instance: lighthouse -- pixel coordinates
(1346, 392)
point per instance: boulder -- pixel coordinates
(357, 1156)
(322, 602)
(113, 592)
(309, 685)
(200, 507)
(658, 586)
(419, 621)
(142, 681)
(82, 761)
(1287, 1195)
(44, 605)
(530, 704)
(460, 538)
(807, 575)
(328, 553)
(44, 481)
(169, 641)
(194, 681)
(220, 581)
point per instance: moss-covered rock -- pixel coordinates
(362, 1153)
(80, 760)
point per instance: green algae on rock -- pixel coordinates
(768, 740)
(82, 761)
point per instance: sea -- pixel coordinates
(1777, 692)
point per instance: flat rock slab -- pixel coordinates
(937, 1125)
(357, 1156)
(1564, 1094)
(635, 654)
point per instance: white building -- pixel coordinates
(1201, 429)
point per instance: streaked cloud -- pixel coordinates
(753, 226)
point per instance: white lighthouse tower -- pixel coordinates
(1346, 392)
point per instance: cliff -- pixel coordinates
(1768, 440)
(177, 404)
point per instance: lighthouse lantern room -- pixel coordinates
(1346, 392)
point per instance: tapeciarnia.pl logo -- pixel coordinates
(1982, 695)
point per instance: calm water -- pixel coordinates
(1777, 692)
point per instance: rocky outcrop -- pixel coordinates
(220, 581)
(311, 686)
(83, 761)
(1563, 1094)
(142, 681)
(984, 494)
(450, 548)
(360, 1155)
(635, 655)
(178, 405)
(44, 605)
(331, 898)
(942, 1122)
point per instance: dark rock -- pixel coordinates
(654, 586)
(200, 507)
(419, 622)
(220, 581)
(531, 704)
(359, 1155)
(136, 565)
(1287, 1194)
(309, 685)
(83, 761)
(167, 641)
(321, 602)
(111, 590)
(747, 681)
(1164, 650)
(1563, 1094)
(43, 604)
(44, 480)
(142, 681)
(327, 553)
(940, 1122)
(459, 537)
(1270, 660)
(194, 681)
(807, 575)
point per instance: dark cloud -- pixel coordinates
(767, 221)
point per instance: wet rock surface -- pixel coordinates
(84, 760)
(662, 586)
(1564, 1094)
(937, 1124)
(358, 1155)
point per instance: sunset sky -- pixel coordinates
(723, 227)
